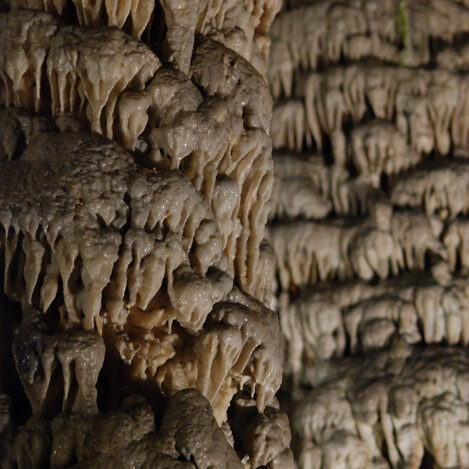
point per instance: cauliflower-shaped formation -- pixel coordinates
(186, 436)
(105, 204)
(214, 127)
(98, 240)
(137, 255)
(123, 261)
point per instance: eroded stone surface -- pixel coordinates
(398, 401)
(135, 254)
(369, 228)
(214, 127)
(123, 261)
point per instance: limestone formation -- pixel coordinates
(368, 227)
(135, 178)
(146, 230)
(187, 437)
(241, 26)
(387, 410)
(159, 113)
(136, 255)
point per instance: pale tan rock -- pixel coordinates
(398, 400)
(377, 91)
(25, 42)
(455, 241)
(78, 354)
(427, 106)
(379, 148)
(89, 69)
(145, 280)
(127, 262)
(245, 158)
(438, 187)
(301, 187)
(82, 74)
(189, 421)
(313, 328)
(236, 349)
(115, 83)
(98, 13)
(82, 204)
(170, 120)
(328, 31)
(151, 293)
(309, 251)
(242, 26)
(417, 234)
(289, 125)
(329, 321)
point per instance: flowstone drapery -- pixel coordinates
(135, 178)
(146, 230)
(368, 228)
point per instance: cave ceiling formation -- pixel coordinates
(200, 199)
(369, 230)
(135, 179)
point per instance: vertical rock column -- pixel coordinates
(136, 174)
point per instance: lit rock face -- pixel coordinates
(219, 138)
(242, 26)
(100, 191)
(135, 178)
(369, 229)
(387, 410)
(136, 255)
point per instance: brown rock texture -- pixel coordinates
(135, 179)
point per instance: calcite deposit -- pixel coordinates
(242, 26)
(188, 437)
(389, 409)
(136, 271)
(201, 198)
(117, 86)
(368, 228)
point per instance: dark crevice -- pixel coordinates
(428, 462)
